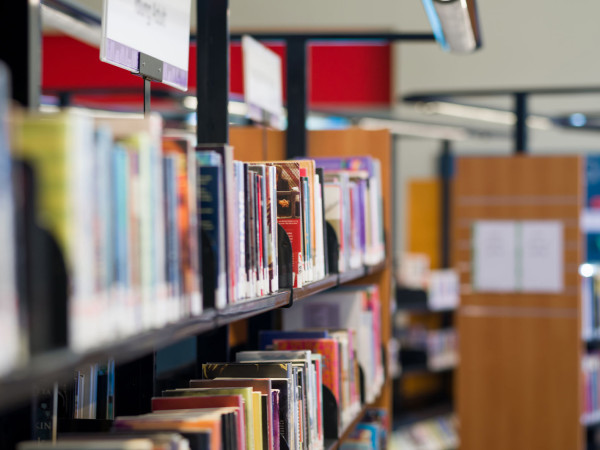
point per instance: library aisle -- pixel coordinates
(233, 225)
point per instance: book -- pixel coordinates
(289, 213)
(107, 444)
(217, 401)
(266, 337)
(10, 322)
(211, 207)
(329, 349)
(187, 221)
(229, 196)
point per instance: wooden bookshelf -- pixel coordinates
(519, 382)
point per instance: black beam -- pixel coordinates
(213, 71)
(335, 35)
(451, 95)
(297, 93)
(520, 132)
(21, 37)
(446, 171)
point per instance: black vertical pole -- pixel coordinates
(213, 71)
(20, 48)
(147, 96)
(297, 92)
(446, 170)
(521, 123)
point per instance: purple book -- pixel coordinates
(276, 431)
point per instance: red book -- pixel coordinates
(329, 349)
(216, 401)
(289, 212)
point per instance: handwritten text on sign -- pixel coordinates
(262, 77)
(158, 28)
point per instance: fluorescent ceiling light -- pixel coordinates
(454, 23)
(405, 128)
(482, 114)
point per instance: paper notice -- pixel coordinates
(542, 256)
(495, 255)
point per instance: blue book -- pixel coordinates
(266, 337)
(211, 210)
(172, 247)
(120, 217)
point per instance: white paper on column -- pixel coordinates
(495, 256)
(542, 256)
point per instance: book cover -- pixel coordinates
(328, 349)
(264, 229)
(241, 287)
(266, 337)
(231, 242)
(211, 207)
(187, 220)
(289, 212)
(272, 226)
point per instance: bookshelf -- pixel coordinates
(536, 338)
(135, 355)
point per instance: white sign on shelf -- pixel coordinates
(263, 85)
(495, 255)
(158, 28)
(542, 256)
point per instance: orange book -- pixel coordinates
(216, 401)
(184, 421)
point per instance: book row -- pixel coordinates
(590, 368)
(434, 434)
(590, 303)
(123, 227)
(90, 394)
(307, 383)
(436, 349)
(371, 433)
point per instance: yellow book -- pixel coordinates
(257, 411)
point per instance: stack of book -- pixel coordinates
(354, 208)
(115, 221)
(371, 433)
(433, 434)
(434, 349)
(351, 314)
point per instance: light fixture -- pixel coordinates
(586, 270)
(455, 24)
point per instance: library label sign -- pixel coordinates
(263, 86)
(159, 29)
